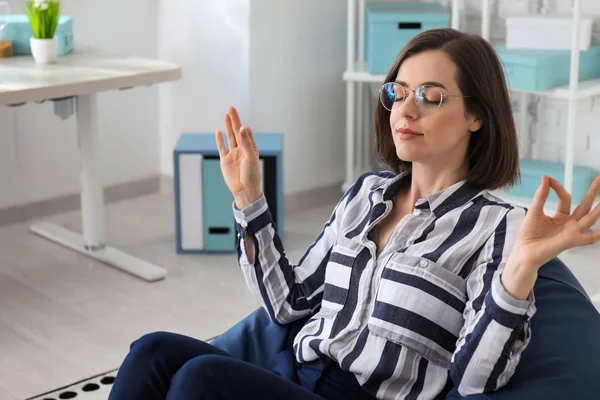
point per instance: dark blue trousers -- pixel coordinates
(167, 366)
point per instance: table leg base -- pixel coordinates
(108, 255)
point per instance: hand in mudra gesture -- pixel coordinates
(240, 164)
(541, 237)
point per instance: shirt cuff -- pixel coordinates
(505, 309)
(506, 300)
(253, 217)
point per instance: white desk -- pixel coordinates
(73, 83)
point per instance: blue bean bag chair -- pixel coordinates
(562, 360)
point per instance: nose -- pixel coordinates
(408, 109)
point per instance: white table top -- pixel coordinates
(83, 71)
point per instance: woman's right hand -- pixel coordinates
(240, 164)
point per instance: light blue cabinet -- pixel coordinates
(389, 26)
(545, 69)
(204, 220)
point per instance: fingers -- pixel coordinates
(590, 238)
(540, 197)
(564, 198)
(235, 138)
(237, 124)
(231, 136)
(221, 144)
(588, 200)
(248, 143)
(588, 220)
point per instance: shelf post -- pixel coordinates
(360, 87)
(350, 92)
(456, 14)
(573, 85)
(361, 35)
(485, 19)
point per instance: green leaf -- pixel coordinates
(44, 16)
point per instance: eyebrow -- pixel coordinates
(431, 83)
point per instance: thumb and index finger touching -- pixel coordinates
(541, 196)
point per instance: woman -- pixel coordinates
(420, 280)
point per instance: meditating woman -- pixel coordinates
(421, 279)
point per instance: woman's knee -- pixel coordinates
(207, 369)
(170, 348)
(203, 377)
(153, 344)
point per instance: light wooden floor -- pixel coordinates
(64, 317)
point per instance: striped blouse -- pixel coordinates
(430, 307)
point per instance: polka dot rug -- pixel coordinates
(96, 388)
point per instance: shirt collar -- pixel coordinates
(438, 203)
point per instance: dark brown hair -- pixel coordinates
(493, 153)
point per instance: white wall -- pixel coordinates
(38, 151)
(297, 58)
(299, 46)
(209, 39)
(279, 62)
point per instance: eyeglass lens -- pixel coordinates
(427, 98)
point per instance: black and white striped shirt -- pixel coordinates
(430, 307)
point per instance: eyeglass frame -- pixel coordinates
(414, 91)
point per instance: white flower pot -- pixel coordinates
(44, 51)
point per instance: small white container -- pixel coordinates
(546, 32)
(44, 51)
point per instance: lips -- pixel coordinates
(407, 134)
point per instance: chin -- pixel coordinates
(409, 155)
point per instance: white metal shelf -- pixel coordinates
(362, 77)
(586, 89)
(356, 78)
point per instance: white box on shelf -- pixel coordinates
(546, 32)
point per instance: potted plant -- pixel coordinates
(43, 17)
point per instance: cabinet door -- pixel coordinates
(219, 223)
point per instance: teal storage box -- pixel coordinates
(389, 26)
(219, 225)
(533, 170)
(545, 69)
(18, 30)
(204, 221)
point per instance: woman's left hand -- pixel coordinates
(542, 238)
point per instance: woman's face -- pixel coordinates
(442, 137)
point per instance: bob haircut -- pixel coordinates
(493, 153)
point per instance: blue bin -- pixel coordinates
(204, 221)
(219, 225)
(18, 30)
(389, 26)
(531, 175)
(545, 69)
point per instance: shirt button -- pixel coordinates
(423, 263)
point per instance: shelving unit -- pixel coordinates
(358, 80)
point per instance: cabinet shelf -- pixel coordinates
(585, 89)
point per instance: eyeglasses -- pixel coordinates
(428, 98)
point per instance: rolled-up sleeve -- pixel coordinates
(288, 292)
(497, 326)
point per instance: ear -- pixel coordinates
(476, 125)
